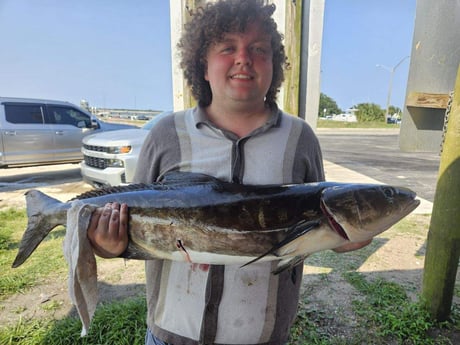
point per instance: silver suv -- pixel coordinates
(36, 131)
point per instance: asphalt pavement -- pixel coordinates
(373, 156)
(339, 173)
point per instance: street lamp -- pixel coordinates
(390, 84)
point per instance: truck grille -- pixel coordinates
(96, 148)
(95, 162)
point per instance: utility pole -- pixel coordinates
(390, 83)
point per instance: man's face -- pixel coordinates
(240, 67)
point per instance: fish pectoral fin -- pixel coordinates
(289, 263)
(295, 231)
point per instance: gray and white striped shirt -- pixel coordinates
(226, 304)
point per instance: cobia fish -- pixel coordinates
(201, 219)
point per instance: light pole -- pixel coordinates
(390, 83)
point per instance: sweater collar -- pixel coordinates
(200, 118)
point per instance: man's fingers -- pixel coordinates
(124, 215)
(108, 229)
(94, 220)
(105, 217)
(114, 223)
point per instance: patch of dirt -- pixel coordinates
(117, 279)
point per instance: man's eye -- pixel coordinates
(260, 50)
(227, 49)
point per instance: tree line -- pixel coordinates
(365, 112)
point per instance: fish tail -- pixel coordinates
(42, 218)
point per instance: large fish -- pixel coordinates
(200, 219)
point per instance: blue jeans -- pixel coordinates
(150, 339)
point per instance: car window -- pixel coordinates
(68, 116)
(24, 113)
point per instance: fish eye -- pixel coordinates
(388, 192)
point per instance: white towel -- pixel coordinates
(79, 255)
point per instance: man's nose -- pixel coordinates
(243, 57)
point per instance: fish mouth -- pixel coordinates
(332, 222)
(413, 205)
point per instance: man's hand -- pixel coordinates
(108, 230)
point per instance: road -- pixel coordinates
(374, 153)
(38, 176)
(62, 181)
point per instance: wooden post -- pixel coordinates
(180, 13)
(443, 246)
(293, 46)
(303, 41)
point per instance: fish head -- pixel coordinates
(359, 212)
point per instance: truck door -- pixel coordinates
(26, 137)
(69, 127)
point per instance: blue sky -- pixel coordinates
(358, 35)
(116, 53)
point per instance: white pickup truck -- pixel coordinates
(110, 159)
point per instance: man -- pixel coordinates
(233, 60)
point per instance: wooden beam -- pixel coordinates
(180, 13)
(427, 100)
(292, 41)
(443, 244)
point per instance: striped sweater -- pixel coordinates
(190, 304)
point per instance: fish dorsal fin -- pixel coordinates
(171, 180)
(117, 189)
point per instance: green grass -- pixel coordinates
(121, 323)
(385, 316)
(46, 260)
(342, 124)
(387, 309)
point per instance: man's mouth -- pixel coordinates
(241, 77)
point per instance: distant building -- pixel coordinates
(126, 113)
(85, 105)
(119, 113)
(346, 117)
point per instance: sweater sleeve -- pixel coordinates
(159, 152)
(309, 158)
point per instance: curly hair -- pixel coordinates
(208, 25)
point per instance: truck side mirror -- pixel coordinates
(94, 123)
